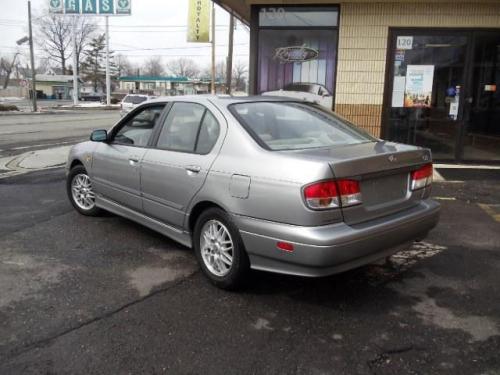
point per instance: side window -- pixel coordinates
(180, 130)
(209, 133)
(137, 130)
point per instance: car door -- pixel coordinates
(116, 163)
(175, 170)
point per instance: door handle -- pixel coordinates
(133, 160)
(193, 169)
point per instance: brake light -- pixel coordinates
(350, 192)
(332, 194)
(422, 177)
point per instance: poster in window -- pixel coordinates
(419, 82)
(297, 63)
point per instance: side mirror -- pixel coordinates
(100, 135)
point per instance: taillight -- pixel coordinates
(350, 192)
(322, 195)
(422, 177)
(332, 194)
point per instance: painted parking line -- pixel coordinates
(445, 198)
(491, 209)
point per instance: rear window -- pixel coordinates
(296, 126)
(135, 99)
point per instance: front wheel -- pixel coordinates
(80, 191)
(219, 249)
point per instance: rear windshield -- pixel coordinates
(135, 99)
(296, 126)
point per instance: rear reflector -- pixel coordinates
(285, 246)
(332, 194)
(422, 177)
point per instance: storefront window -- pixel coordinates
(297, 49)
(427, 81)
(442, 92)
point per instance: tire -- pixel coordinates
(222, 275)
(76, 178)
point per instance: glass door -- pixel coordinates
(427, 71)
(481, 139)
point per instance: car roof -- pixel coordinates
(224, 100)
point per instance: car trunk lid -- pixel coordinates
(383, 171)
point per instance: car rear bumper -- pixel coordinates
(334, 248)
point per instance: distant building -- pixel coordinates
(156, 85)
(55, 86)
(168, 85)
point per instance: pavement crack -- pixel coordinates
(49, 340)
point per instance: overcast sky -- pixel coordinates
(155, 28)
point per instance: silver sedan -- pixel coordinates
(272, 184)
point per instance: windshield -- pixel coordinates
(135, 99)
(296, 126)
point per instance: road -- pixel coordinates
(21, 133)
(104, 295)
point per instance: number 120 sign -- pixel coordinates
(404, 42)
(91, 7)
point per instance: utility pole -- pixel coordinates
(108, 76)
(229, 64)
(75, 65)
(213, 49)
(32, 58)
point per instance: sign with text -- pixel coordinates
(72, 7)
(106, 7)
(404, 42)
(198, 21)
(419, 82)
(91, 7)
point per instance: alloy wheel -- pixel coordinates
(216, 247)
(82, 193)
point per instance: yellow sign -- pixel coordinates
(198, 21)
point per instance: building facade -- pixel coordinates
(419, 72)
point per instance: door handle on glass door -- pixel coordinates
(193, 169)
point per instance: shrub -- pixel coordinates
(8, 107)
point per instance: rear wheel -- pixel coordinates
(219, 249)
(80, 191)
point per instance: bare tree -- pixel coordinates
(220, 72)
(55, 37)
(124, 66)
(240, 70)
(6, 67)
(183, 67)
(85, 30)
(153, 67)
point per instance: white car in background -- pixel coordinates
(131, 101)
(311, 92)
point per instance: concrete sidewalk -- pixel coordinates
(33, 161)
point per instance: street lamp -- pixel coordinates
(23, 40)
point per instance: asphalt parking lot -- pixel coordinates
(106, 296)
